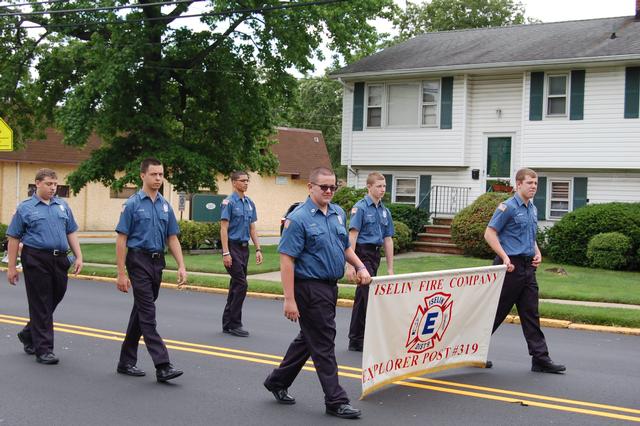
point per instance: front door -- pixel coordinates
(498, 159)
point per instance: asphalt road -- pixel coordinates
(222, 384)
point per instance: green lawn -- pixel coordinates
(106, 253)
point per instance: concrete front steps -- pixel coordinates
(437, 238)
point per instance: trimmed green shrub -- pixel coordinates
(347, 196)
(194, 235)
(414, 218)
(468, 226)
(402, 237)
(609, 250)
(569, 238)
(542, 238)
(3, 235)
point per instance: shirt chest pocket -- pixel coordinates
(521, 220)
(141, 216)
(62, 215)
(341, 231)
(35, 219)
(316, 236)
(369, 219)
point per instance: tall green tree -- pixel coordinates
(318, 105)
(202, 100)
(444, 15)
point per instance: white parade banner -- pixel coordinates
(426, 322)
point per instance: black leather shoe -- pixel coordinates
(281, 395)
(344, 411)
(167, 373)
(542, 366)
(28, 344)
(239, 332)
(355, 347)
(488, 364)
(48, 358)
(130, 370)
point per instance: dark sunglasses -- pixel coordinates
(326, 188)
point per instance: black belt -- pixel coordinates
(151, 254)
(370, 246)
(56, 252)
(314, 280)
(526, 259)
(239, 243)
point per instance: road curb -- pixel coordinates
(348, 303)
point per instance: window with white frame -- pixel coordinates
(406, 190)
(430, 98)
(402, 104)
(374, 105)
(560, 199)
(557, 94)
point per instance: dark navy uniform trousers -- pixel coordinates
(232, 316)
(316, 300)
(521, 288)
(45, 277)
(145, 273)
(369, 254)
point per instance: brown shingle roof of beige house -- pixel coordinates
(298, 150)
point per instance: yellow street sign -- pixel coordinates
(6, 136)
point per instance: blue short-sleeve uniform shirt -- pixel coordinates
(241, 213)
(373, 222)
(43, 226)
(516, 224)
(146, 223)
(316, 241)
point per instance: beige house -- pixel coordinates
(97, 208)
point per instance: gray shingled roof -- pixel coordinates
(506, 45)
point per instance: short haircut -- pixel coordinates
(238, 174)
(45, 173)
(144, 166)
(318, 171)
(523, 173)
(373, 177)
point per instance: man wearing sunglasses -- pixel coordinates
(370, 229)
(313, 250)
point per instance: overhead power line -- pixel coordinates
(96, 9)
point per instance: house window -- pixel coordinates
(405, 190)
(430, 97)
(63, 191)
(560, 200)
(126, 192)
(402, 104)
(557, 94)
(374, 105)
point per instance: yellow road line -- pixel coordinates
(258, 357)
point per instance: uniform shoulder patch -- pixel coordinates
(225, 202)
(502, 207)
(354, 210)
(287, 222)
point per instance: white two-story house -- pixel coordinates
(446, 113)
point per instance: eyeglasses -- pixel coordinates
(243, 180)
(326, 188)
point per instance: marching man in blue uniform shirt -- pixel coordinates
(147, 223)
(237, 225)
(370, 228)
(313, 250)
(511, 233)
(46, 227)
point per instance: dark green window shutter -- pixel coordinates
(536, 96)
(579, 192)
(389, 181)
(577, 95)
(358, 106)
(540, 200)
(425, 196)
(632, 93)
(446, 99)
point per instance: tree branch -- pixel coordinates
(196, 60)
